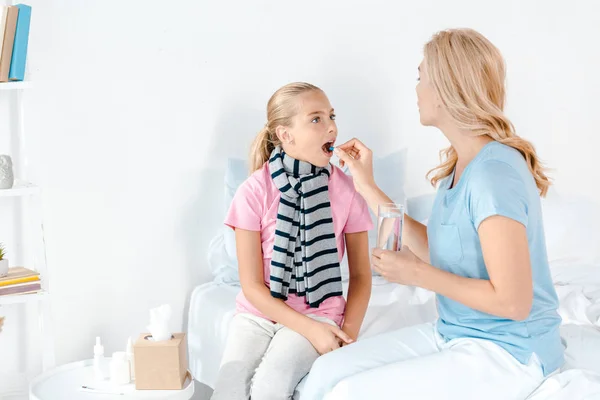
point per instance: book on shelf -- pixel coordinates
(3, 17)
(21, 288)
(21, 42)
(20, 280)
(8, 39)
(14, 40)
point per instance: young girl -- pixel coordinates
(293, 218)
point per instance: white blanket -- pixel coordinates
(578, 288)
(393, 306)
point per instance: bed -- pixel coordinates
(574, 253)
(393, 306)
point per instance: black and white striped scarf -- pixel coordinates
(305, 257)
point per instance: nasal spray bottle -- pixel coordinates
(129, 353)
(99, 372)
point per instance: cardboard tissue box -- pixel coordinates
(160, 365)
(159, 357)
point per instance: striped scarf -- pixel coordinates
(305, 257)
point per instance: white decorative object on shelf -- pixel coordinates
(3, 268)
(3, 262)
(7, 177)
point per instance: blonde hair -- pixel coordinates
(281, 108)
(468, 72)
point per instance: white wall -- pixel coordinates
(137, 104)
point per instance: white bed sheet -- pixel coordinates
(212, 307)
(578, 289)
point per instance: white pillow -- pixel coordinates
(419, 207)
(389, 171)
(571, 227)
(390, 175)
(222, 258)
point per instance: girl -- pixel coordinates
(293, 219)
(483, 251)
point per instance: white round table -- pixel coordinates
(65, 382)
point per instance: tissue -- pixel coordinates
(159, 323)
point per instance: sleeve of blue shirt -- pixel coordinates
(496, 188)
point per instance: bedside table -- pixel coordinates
(65, 382)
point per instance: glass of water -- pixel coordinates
(390, 220)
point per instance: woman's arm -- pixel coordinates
(509, 291)
(249, 254)
(359, 159)
(414, 234)
(359, 290)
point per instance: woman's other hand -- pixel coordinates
(397, 266)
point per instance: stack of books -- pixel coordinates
(14, 38)
(20, 281)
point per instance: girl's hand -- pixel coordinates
(397, 266)
(325, 337)
(359, 159)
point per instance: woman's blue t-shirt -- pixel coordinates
(496, 182)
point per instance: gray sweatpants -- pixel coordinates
(263, 359)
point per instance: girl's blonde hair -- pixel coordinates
(281, 108)
(468, 72)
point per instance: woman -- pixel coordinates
(483, 251)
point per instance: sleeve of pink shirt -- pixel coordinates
(246, 207)
(359, 218)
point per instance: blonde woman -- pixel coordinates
(482, 252)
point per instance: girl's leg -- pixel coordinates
(287, 360)
(364, 355)
(466, 369)
(248, 339)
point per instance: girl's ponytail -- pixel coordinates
(261, 149)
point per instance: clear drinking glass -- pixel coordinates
(390, 220)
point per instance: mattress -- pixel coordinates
(393, 306)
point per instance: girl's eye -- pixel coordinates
(316, 120)
(332, 116)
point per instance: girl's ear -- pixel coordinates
(283, 135)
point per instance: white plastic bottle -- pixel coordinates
(130, 358)
(99, 371)
(119, 369)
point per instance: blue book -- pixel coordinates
(19, 54)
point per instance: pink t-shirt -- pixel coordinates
(254, 208)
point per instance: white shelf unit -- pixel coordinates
(20, 189)
(28, 212)
(23, 298)
(15, 85)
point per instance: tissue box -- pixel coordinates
(160, 365)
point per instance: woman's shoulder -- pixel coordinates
(500, 162)
(501, 168)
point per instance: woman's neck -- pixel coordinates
(466, 145)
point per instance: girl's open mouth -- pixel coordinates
(328, 149)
